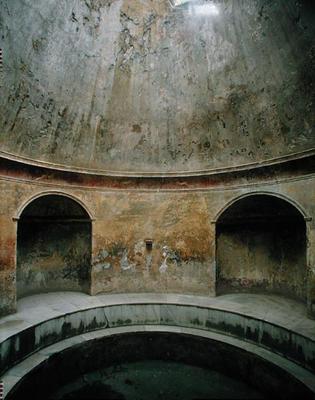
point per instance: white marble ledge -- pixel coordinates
(277, 310)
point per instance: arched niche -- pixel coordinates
(53, 246)
(261, 247)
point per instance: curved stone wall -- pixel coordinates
(132, 87)
(156, 238)
(227, 317)
(89, 357)
(290, 344)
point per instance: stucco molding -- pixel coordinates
(152, 174)
(52, 192)
(132, 189)
(281, 196)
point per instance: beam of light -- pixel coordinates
(197, 8)
(204, 9)
(176, 3)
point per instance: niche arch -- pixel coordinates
(277, 195)
(57, 193)
(54, 245)
(261, 246)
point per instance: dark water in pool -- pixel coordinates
(155, 380)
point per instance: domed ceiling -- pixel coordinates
(157, 86)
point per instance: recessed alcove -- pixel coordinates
(53, 246)
(261, 247)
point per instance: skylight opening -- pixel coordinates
(176, 3)
(205, 9)
(197, 7)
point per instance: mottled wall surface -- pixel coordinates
(7, 263)
(268, 258)
(180, 225)
(261, 247)
(52, 257)
(137, 86)
(181, 256)
(53, 247)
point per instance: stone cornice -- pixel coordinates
(148, 174)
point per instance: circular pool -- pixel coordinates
(156, 365)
